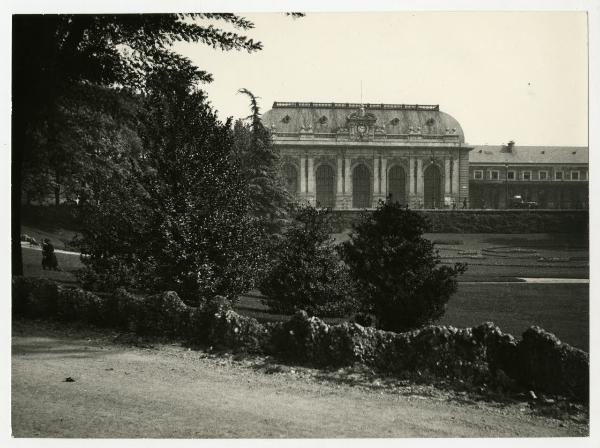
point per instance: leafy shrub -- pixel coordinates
(545, 363)
(165, 314)
(303, 339)
(500, 349)
(307, 273)
(398, 270)
(217, 324)
(187, 226)
(229, 329)
(34, 297)
(106, 274)
(75, 304)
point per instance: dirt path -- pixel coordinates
(167, 391)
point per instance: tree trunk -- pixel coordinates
(57, 190)
(18, 131)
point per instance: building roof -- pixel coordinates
(397, 119)
(529, 154)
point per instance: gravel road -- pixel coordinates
(120, 390)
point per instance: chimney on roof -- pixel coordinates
(508, 147)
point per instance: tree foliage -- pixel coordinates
(307, 273)
(178, 219)
(62, 63)
(397, 270)
(260, 162)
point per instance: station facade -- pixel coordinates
(350, 156)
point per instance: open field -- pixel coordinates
(156, 390)
(562, 309)
(32, 265)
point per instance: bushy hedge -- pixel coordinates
(479, 355)
(306, 272)
(399, 272)
(489, 221)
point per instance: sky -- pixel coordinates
(504, 76)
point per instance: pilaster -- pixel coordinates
(310, 187)
(456, 178)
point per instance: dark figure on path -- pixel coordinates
(464, 203)
(49, 260)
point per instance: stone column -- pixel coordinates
(384, 178)
(412, 200)
(375, 176)
(420, 179)
(411, 176)
(347, 178)
(339, 194)
(447, 177)
(311, 181)
(376, 196)
(456, 179)
(302, 175)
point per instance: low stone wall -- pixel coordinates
(489, 221)
(479, 355)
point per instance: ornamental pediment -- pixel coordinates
(361, 116)
(361, 124)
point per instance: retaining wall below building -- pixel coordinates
(489, 221)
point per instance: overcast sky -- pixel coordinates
(503, 76)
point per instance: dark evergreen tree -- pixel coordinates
(398, 271)
(307, 273)
(261, 167)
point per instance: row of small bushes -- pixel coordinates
(478, 355)
(490, 221)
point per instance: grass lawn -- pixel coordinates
(32, 265)
(562, 309)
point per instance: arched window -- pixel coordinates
(290, 175)
(361, 187)
(397, 185)
(433, 187)
(325, 186)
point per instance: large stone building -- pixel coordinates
(350, 156)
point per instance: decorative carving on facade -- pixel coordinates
(361, 124)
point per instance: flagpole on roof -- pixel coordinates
(361, 101)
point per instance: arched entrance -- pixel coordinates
(433, 187)
(397, 185)
(361, 187)
(290, 176)
(325, 186)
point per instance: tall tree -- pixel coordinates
(54, 53)
(261, 168)
(187, 226)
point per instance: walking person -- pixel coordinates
(49, 260)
